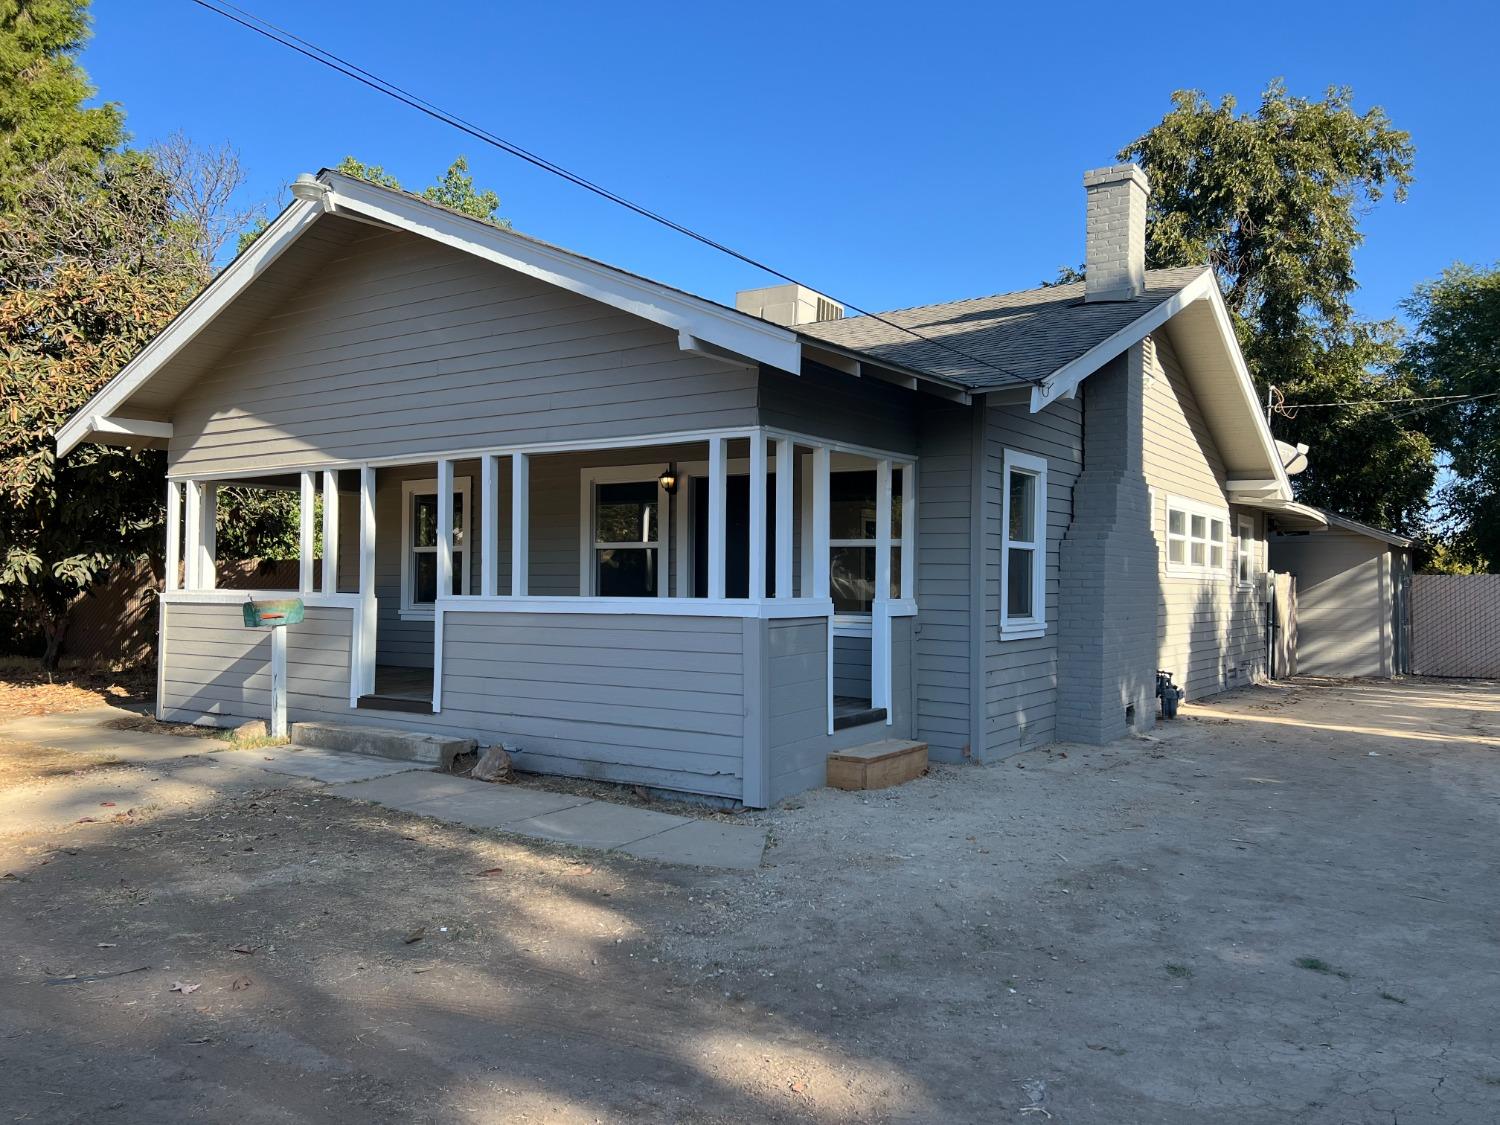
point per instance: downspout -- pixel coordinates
(979, 456)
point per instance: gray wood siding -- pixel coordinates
(796, 656)
(400, 346)
(942, 651)
(214, 667)
(1020, 675)
(851, 666)
(837, 407)
(1211, 631)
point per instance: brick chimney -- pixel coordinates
(1115, 243)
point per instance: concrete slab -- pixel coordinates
(405, 790)
(403, 745)
(595, 824)
(329, 766)
(495, 806)
(704, 843)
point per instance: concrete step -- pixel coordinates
(877, 765)
(401, 745)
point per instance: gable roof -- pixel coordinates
(1346, 524)
(1026, 336)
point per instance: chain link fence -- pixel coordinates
(1455, 625)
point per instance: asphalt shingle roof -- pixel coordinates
(1018, 337)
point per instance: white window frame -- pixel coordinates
(1244, 551)
(1035, 623)
(1209, 513)
(588, 478)
(410, 489)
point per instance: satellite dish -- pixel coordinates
(1293, 457)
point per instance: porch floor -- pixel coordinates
(400, 689)
(853, 711)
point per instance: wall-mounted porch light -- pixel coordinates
(668, 480)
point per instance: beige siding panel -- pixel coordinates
(401, 347)
(1211, 630)
(1343, 602)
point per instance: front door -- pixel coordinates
(736, 534)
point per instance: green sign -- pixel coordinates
(271, 614)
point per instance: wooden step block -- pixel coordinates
(877, 765)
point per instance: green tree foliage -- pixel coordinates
(1271, 200)
(43, 122)
(455, 190)
(1454, 349)
(92, 265)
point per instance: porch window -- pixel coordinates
(419, 544)
(1196, 538)
(853, 531)
(1244, 548)
(626, 539)
(1023, 553)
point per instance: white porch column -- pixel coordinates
(908, 532)
(880, 610)
(444, 528)
(882, 530)
(306, 535)
(520, 524)
(198, 533)
(489, 508)
(330, 531)
(368, 607)
(785, 475)
(820, 522)
(757, 545)
(172, 579)
(717, 482)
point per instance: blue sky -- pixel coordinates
(889, 154)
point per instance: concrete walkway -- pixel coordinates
(518, 809)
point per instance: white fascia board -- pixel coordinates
(130, 427)
(285, 230)
(1064, 382)
(733, 331)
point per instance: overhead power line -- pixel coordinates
(321, 55)
(1378, 401)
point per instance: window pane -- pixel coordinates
(895, 571)
(1198, 552)
(895, 503)
(1216, 557)
(1200, 526)
(1175, 550)
(851, 510)
(626, 572)
(458, 571)
(424, 578)
(1244, 567)
(1018, 591)
(1022, 507)
(625, 512)
(424, 521)
(458, 518)
(1218, 531)
(851, 573)
(1176, 523)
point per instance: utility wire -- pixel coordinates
(268, 30)
(1375, 401)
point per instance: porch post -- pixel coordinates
(757, 545)
(882, 530)
(305, 536)
(204, 542)
(444, 528)
(820, 522)
(520, 523)
(716, 487)
(330, 531)
(368, 607)
(880, 610)
(489, 508)
(909, 531)
(172, 580)
(192, 533)
(785, 475)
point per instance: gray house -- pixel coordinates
(651, 538)
(1352, 586)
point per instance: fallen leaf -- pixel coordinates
(242, 948)
(239, 984)
(108, 944)
(83, 820)
(178, 986)
(106, 804)
(415, 936)
(490, 871)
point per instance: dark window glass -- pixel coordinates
(626, 572)
(851, 574)
(424, 521)
(625, 512)
(1018, 591)
(424, 578)
(851, 505)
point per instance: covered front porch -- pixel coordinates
(707, 612)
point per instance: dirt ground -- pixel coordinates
(26, 690)
(1280, 908)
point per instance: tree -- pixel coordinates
(43, 121)
(92, 265)
(1272, 201)
(455, 190)
(1454, 349)
(205, 183)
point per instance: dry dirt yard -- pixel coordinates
(1281, 908)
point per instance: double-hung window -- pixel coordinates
(1197, 538)
(419, 544)
(1244, 551)
(1023, 555)
(624, 546)
(853, 535)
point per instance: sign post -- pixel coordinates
(276, 616)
